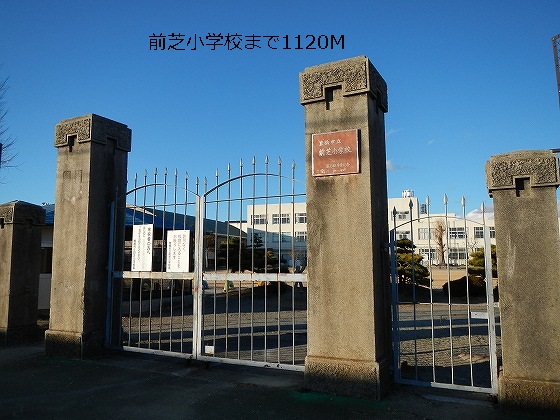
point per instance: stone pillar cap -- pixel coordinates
(539, 166)
(18, 212)
(92, 128)
(355, 75)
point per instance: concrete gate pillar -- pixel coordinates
(349, 331)
(20, 266)
(91, 169)
(523, 186)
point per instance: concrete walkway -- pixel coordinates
(129, 385)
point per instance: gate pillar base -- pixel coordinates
(19, 335)
(73, 345)
(529, 393)
(356, 378)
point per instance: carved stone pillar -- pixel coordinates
(349, 331)
(523, 186)
(91, 169)
(20, 264)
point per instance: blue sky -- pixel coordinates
(466, 80)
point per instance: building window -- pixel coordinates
(457, 233)
(402, 215)
(300, 236)
(478, 232)
(403, 234)
(286, 238)
(301, 217)
(280, 218)
(424, 232)
(258, 219)
(428, 253)
(275, 237)
(492, 232)
(457, 254)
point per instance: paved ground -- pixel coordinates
(126, 385)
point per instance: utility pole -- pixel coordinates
(555, 48)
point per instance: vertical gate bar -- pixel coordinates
(151, 280)
(144, 189)
(253, 181)
(265, 260)
(464, 204)
(214, 296)
(240, 257)
(414, 314)
(174, 224)
(448, 268)
(198, 313)
(162, 255)
(278, 288)
(183, 281)
(395, 300)
(153, 246)
(431, 290)
(171, 283)
(293, 257)
(121, 248)
(131, 280)
(490, 305)
(227, 257)
(445, 202)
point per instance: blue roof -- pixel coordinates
(159, 218)
(49, 214)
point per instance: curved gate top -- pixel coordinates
(216, 272)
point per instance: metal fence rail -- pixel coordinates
(244, 298)
(441, 339)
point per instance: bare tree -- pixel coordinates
(472, 245)
(7, 142)
(439, 234)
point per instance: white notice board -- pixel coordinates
(178, 251)
(142, 246)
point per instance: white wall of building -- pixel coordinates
(462, 237)
(281, 227)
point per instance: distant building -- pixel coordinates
(285, 229)
(462, 236)
(279, 227)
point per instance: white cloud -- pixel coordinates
(476, 214)
(392, 131)
(390, 166)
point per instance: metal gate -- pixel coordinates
(444, 330)
(217, 274)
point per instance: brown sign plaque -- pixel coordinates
(335, 153)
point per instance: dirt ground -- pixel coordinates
(440, 276)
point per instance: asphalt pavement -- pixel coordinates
(132, 385)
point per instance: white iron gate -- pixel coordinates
(214, 275)
(444, 329)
